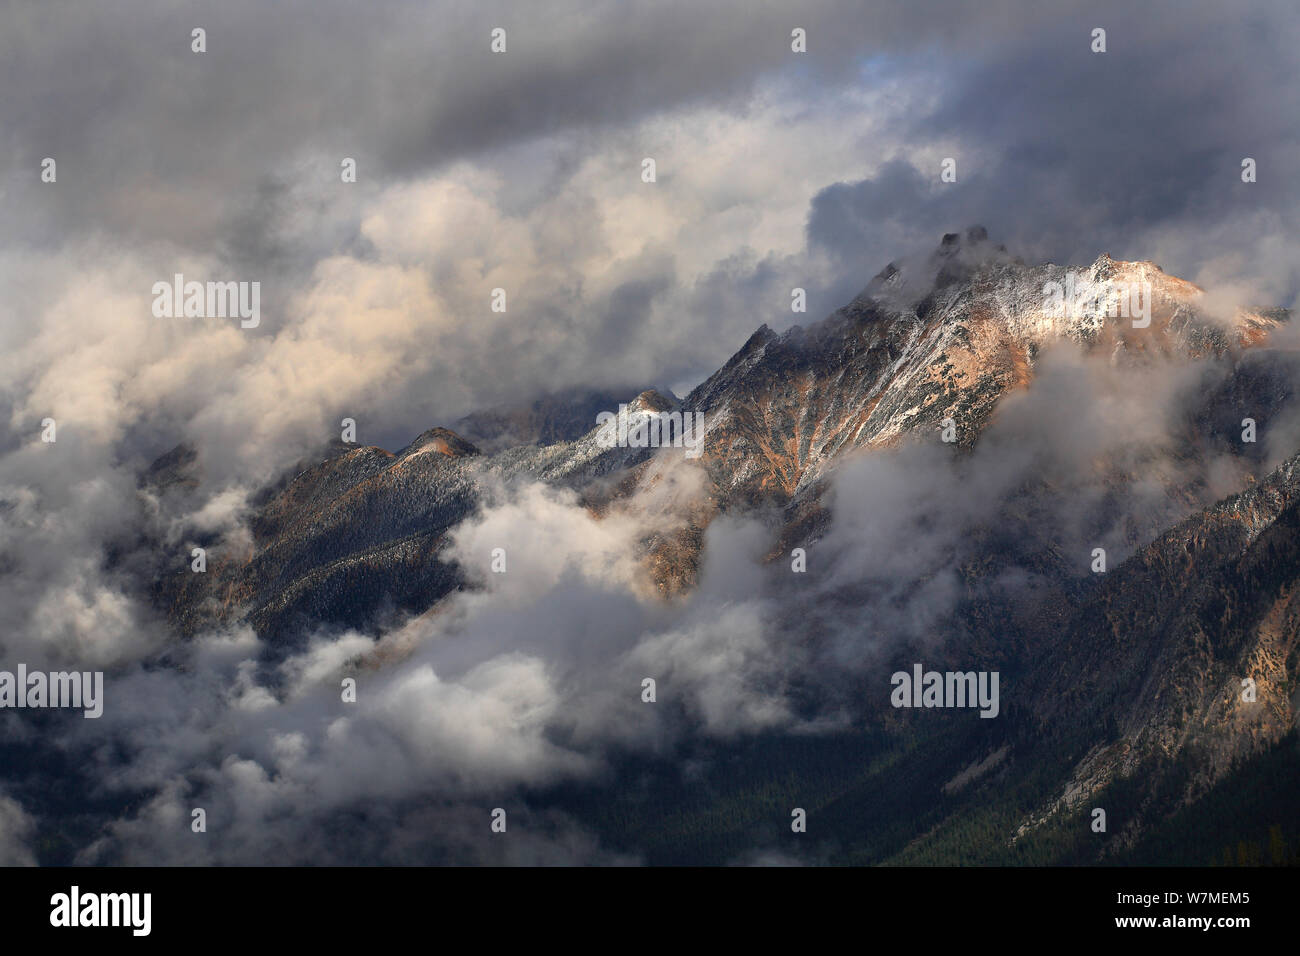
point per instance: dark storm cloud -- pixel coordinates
(1064, 153)
(118, 97)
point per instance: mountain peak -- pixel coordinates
(952, 241)
(653, 400)
(442, 441)
(960, 255)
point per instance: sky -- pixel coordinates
(522, 170)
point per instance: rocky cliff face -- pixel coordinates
(1189, 650)
(912, 351)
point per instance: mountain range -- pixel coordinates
(949, 455)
